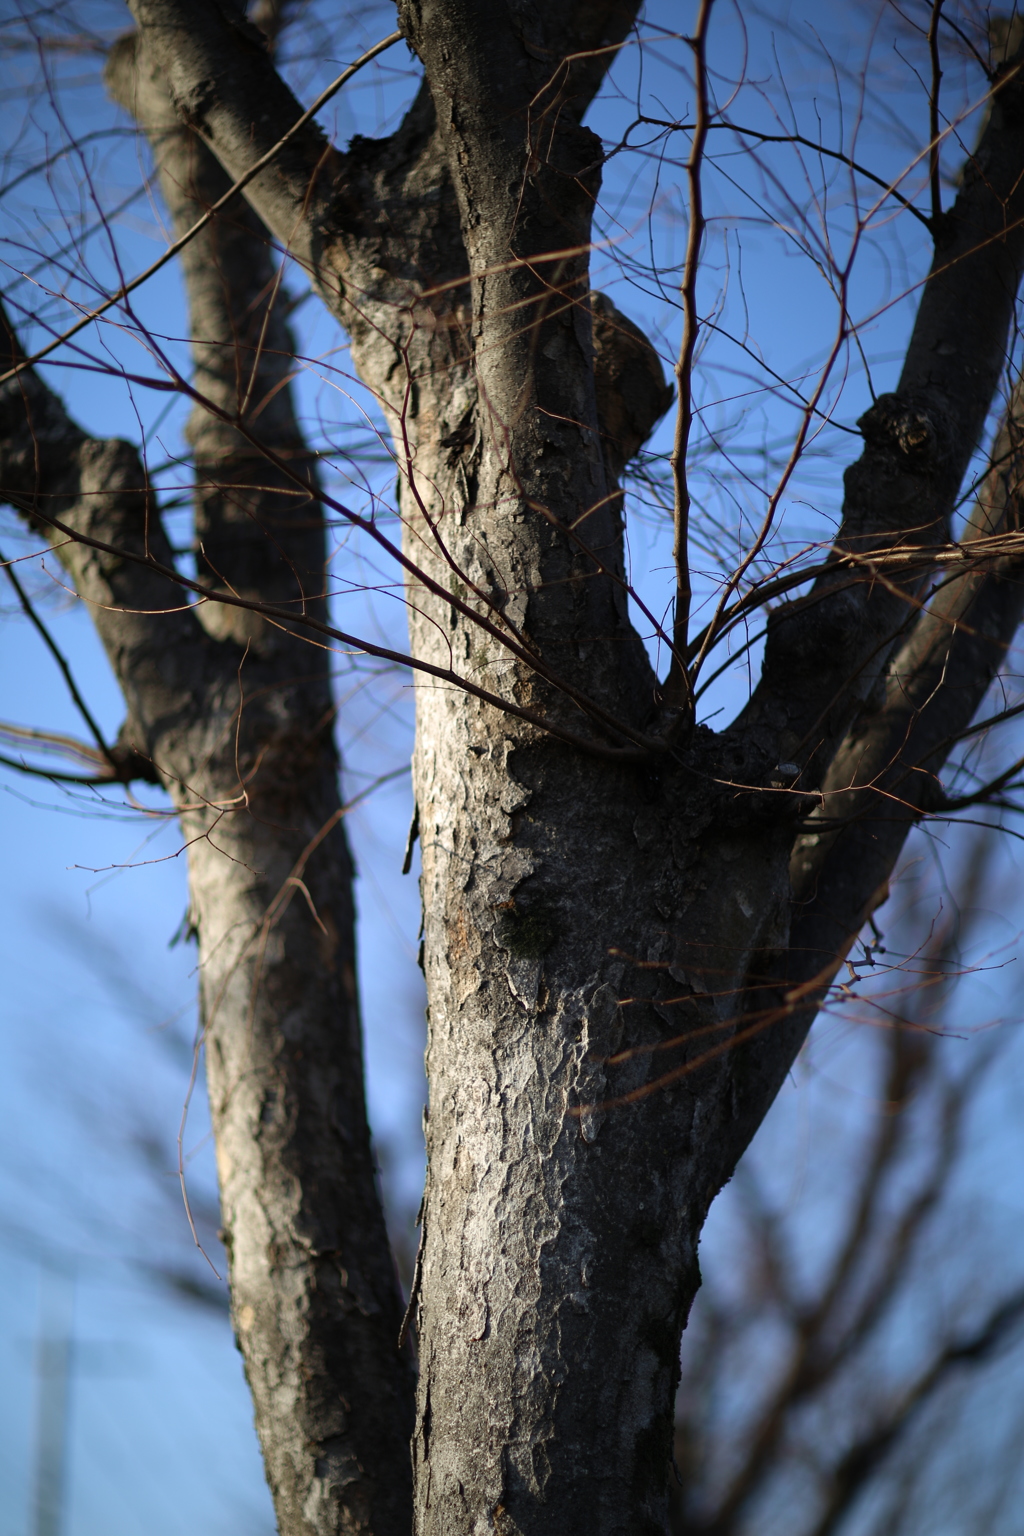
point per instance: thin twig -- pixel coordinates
(55, 652)
(933, 115)
(798, 138)
(679, 689)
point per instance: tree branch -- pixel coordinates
(679, 686)
(935, 141)
(880, 782)
(824, 657)
(51, 471)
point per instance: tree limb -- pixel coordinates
(51, 470)
(881, 781)
(824, 658)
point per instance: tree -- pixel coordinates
(630, 920)
(810, 1401)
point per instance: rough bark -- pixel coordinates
(623, 945)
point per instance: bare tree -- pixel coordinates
(807, 1396)
(630, 920)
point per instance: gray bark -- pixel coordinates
(627, 930)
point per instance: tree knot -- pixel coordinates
(629, 380)
(896, 425)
